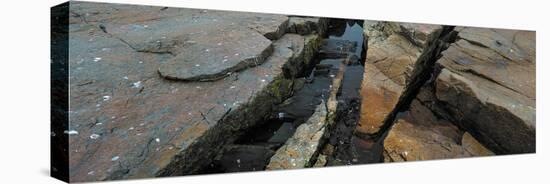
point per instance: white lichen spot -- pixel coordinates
(97, 59)
(115, 158)
(106, 98)
(136, 84)
(281, 115)
(94, 136)
(71, 132)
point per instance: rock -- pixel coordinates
(321, 161)
(379, 95)
(420, 135)
(473, 146)
(335, 48)
(307, 25)
(153, 126)
(237, 158)
(207, 60)
(391, 57)
(303, 147)
(300, 149)
(487, 84)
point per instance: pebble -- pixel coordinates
(136, 84)
(115, 158)
(94, 136)
(71, 132)
(105, 98)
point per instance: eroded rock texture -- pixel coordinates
(487, 85)
(419, 135)
(393, 49)
(478, 98)
(137, 106)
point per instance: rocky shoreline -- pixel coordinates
(159, 91)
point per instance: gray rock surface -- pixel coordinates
(133, 122)
(307, 25)
(488, 85)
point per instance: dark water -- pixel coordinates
(352, 32)
(258, 144)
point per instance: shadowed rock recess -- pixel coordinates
(160, 91)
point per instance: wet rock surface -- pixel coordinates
(308, 25)
(132, 122)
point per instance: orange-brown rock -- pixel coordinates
(393, 49)
(419, 135)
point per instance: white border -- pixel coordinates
(24, 157)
